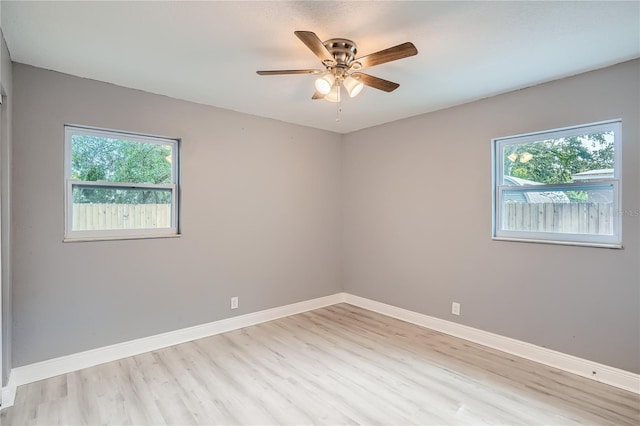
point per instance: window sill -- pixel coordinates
(562, 243)
(120, 237)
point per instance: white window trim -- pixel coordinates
(497, 163)
(119, 234)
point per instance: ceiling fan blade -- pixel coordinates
(282, 72)
(312, 41)
(394, 53)
(375, 82)
(317, 95)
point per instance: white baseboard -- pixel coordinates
(599, 372)
(66, 364)
(9, 392)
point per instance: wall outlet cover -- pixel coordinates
(455, 308)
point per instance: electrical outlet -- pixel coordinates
(234, 302)
(455, 308)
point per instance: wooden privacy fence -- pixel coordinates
(91, 217)
(574, 218)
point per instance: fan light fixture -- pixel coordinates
(353, 86)
(325, 83)
(329, 86)
(334, 94)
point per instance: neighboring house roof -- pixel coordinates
(593, 175)
(519, 181)
(596, 195)
(532, 197)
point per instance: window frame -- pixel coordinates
(592, 240)
(116, 234)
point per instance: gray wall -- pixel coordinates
(417, 221)
(276, 213)
(260, 220)
(6, 84)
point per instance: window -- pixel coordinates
(119, 185)
(559, 186)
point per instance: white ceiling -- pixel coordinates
(208, 52)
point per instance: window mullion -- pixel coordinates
(119, 184)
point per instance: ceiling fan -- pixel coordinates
(342, 68)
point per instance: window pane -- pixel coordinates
(103, 208)
(580, 158)
(587, 210)
(559, 185)
(95, 158)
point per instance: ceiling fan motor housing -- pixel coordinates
(344, 53)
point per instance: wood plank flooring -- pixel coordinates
(336, 365)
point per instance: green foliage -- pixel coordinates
(554, 161)
(114, 160)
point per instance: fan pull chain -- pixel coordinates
(338, 104)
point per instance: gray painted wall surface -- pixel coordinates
(412, 242)
(260, 220)
(5, 187)
(265, 205)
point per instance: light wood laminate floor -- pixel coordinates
(336, 365)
